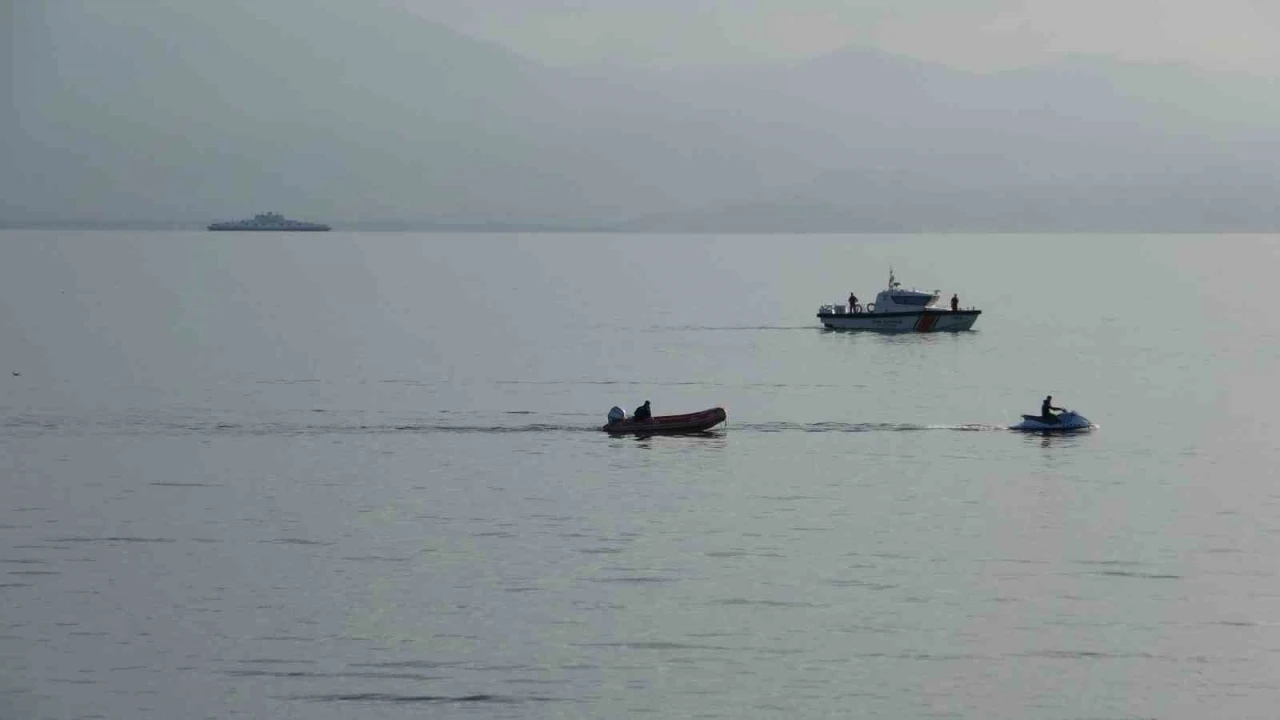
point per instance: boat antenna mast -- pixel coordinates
(892, 283)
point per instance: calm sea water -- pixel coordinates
(358, 476)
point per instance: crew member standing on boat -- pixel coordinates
(642, 413)
(955, 303)
(853, 303)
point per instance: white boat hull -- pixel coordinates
(922, 321)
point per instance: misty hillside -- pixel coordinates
(133, 111)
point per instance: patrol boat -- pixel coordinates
(269, 222)
(899, 310)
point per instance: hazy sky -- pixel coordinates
(348, 111)
(1228, 35)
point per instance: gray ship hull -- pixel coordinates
(268, 222)
(269, 228)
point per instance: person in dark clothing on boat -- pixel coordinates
(853, 303)
(955, 303)
(1046, 410)
(642, 413)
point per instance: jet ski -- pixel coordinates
(1067, 420)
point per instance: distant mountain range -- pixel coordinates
(366, 116)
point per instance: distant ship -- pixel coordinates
(266, 222)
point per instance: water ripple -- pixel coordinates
(658, 645)
(419, 664)
(110, 540)
(432, 699)
(287, 428)
(844, 427)
(309, 674)
(769, 603)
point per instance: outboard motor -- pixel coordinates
(616, 415)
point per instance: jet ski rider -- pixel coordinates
(1046, 408)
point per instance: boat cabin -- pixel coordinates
(892, 299)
